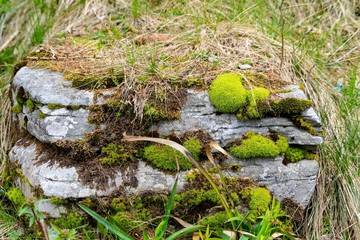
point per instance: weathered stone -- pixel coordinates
(200, 114)
(64, 182)
(69, 121)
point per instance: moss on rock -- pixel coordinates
(115, 155)
(255, 95)
(282, 144)
(255, 146)
(227, 93)
(15, 196)
(260, 199)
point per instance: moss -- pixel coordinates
(195, 197)
(294, 154)
(282, 90)
(164, 157)
(17, 108)
(125, 221)
(290, 107)
(246, 192)
(303, 124)
(255, 95)
(227, 93)
(53, 106)
(255, 146)
(58, 201)
(115, 155)
(41, 114)
(282, 144)
(15, 196)
(216, 220)
(120, 204)
(30, 104)
(70, 221)
(260, 199)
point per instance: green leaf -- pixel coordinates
(145, 235)
(161, 228)
(183, 231)
(223, 235)
(111, 227)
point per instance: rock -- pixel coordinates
(245, 66)
(69, 119)
(294, 180)
(64, 182)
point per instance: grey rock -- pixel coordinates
(295, 180)
(64, 182)
(295, 93)
(200, 114)
(245, 66)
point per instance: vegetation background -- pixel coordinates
(315, 42)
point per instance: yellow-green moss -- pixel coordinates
(17, 108)
(70, 220)
(115, 155)
(254, 96)
(30, 104)
(164, 157)
(125, 221)
(120, 204)
(260, 199)
(294, 154)
(216, 220)
(53, 106)
(58, 201)
(282, 144)
(227, 93)
(15, 196)
(290, 107)
(303, 124)
(255, 146)
(195, 197)
(41, 114)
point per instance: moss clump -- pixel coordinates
(53, 106)
(227, 93)
(195, 197)
(120, 204)
(41, 114)
(282, 144)
(15, 196)
(290, 107)
(260, 199)
(125, 222)
(115, 155)
(58, 201)
(255, 146)
(255, 95)
(30, 104)
(164, 157)
(216, 220)
(294, 154)
(17, 108)
(303, 124)
(69, 221)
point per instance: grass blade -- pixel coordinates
(111, 227)
(183, 231)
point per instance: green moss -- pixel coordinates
(164, 157)
(255, 146)
(115, 155)
(125, 221)
(282, 90)
(70, 221)
(30, 104)
(120, 204)
(227, 93)
(216, 220)
(17, 108)
(74, 107)
(303, 124)
(58, 201)
(282, 144)
(290, 107)
(246, 192)
(255, 95)
(195, 197)
(53, 106)
(294, 154)
(41, 114)
(260, 199)
(15, 196)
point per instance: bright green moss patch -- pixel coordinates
(255, 146)
(164, 157)
(70, 221)
(41, 114)
(282, 144)
(294, 154)
(16, 108)
(260, 199)
(30, 104)
(15, 196)
(119, 204)
(115, 155)
(290, 107)
(216, 220)
(53, 106)
(255, 95)
(227, 93)
(303, 124)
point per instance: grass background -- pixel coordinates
(312, 42)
